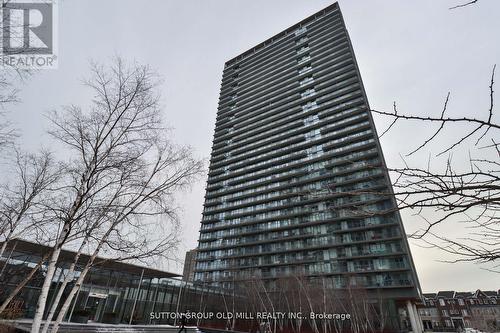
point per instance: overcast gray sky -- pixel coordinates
(412, 52)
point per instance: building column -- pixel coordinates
(417, 318)
(415, 327)
(136, 298)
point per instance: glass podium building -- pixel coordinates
(297, 184)
(113, 292)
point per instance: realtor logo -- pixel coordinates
(29, 34)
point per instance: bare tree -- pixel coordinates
(7, 133)
(22, 200)
(465, 4)
(303, 301)
(22, 206)
(123, 171)
(464, 191)
(124, 229)
(10, 79)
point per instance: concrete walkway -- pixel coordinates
(25, 325)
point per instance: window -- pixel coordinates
(305, 69)
(300, 31)
(304, 59)
(445, 313)
(424, 312)
(310, 106)
(461, 301)
(301, 40)
(441, 302)
(308, 92)
(315, 150)
(306, 80)
(303, 49)
(313, 119)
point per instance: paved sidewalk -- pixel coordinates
(25, 325)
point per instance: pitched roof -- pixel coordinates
(480, 293)
(490, 293)
(446, 294)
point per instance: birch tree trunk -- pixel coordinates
(51, 268)
(42, 299)
(4, 245)
(65, 307)
(2, 251)
(22, 284)
(61, 289)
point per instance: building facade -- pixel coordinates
(113, 292)
(455, 311)
(297, 184)
(189, 263)
(297, 172)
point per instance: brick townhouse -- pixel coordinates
(453, 311)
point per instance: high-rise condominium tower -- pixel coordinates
(297, 183)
